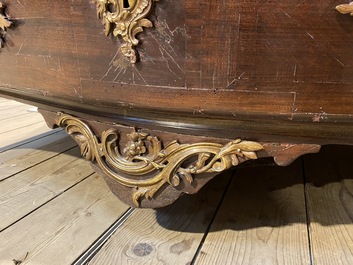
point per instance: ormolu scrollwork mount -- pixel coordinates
(149, 168)
(5, 23)
(345, 8)
(125, 18)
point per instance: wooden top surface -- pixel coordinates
(55, 210)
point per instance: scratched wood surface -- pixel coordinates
(52, 203)
(282, 52)
(240, 65)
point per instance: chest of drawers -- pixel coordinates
(163, 95)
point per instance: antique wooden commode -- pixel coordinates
(163, 95)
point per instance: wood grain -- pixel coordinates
(60, 231)
(329, 192)
(33, 153)
(19, 126)
(7, 104)
(31, 188)
(168, 236)
(17, 137)
(261, 221)
(20, 122)
(19, 110)
(46, 174)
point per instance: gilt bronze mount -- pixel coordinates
(125, 18)
(145, 165)
(4, 24)
(345, 8)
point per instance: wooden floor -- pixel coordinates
(55, 210)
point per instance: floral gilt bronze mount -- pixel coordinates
(145, 166)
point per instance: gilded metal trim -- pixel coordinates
(146, 165)
(345, 8)
(4, 24)
(125, 18)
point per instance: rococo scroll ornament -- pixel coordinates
(125, 18)
(4, 24)
(345, 8)
(145, 166)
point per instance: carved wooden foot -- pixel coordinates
(153, 168)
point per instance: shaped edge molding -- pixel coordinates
(145, 166)
(5, 23)
(125, 18)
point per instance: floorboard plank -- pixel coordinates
(28, 190)
(60, 231)
(261, 221)
(24, 135)
(52, 206)
(168, 236)
(19, 122)
(329, 192)
(6, 114)
(7, 104)
(30, 154)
